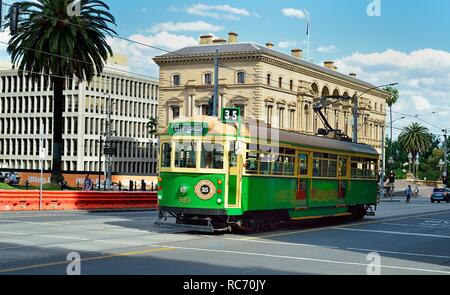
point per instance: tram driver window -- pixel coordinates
(212, 156)
(166, 155)
(185, 155)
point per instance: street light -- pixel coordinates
(417, 163)
(383, 156)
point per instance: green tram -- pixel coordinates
(250, 177)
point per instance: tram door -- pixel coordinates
(234, 176)
(342, 179)
(302, 181)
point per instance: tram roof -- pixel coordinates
(257, 129)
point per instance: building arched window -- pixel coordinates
(240, 77)
(176, 80)
(269, 79)
(280, 82)
(291, 85)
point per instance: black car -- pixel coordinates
(440, 195)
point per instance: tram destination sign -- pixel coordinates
(188, 128)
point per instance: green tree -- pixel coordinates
(152, 126)
(51, 42)
(415, 139)
(394, 96)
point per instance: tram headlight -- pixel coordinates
(219, 201)
(160, 197)
(184, 189)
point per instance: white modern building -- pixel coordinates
(26, 107)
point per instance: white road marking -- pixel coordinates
(308, 259)
(281, 243)
(393, 233)
(401, 253)
(62, 237)
(13, 233)
(120, 243)
(422, 225)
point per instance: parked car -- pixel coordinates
(440, 195)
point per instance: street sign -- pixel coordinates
(231, 115)
(110, 151)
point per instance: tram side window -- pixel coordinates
(364, 168)
(265, 164)
(212, 156)
(185, 155)
(288, 165)
(303, 158)
(252, 163)
(325, 165)
(166, 155)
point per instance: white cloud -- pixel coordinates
(327, 49)
(287, 44)
(188, 26)
(292, 12)
(423, 77)
(140, 57)
(219, 11)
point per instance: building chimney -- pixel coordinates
(206, 39)
(232, 37)
(329, 65)
(219, 41)
(354, 75)
(296, 52)
(269, 45)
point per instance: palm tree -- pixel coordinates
(50, 42)
(394, 96)
(152, 126)
(415, 139)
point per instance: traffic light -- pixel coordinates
(211, 106)
(1, 15)
(14, 18)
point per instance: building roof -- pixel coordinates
(256, 48)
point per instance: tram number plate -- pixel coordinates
(184, 200)
(231, 115)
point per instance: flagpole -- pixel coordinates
(307, 34)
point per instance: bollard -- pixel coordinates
(120, 186)
(131, 186)
(143, 184)
(27, 185)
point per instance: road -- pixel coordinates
(410, 239)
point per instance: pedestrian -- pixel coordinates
(88, 184)
(408, 193)
(416, 191)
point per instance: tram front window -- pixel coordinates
(185, 155)
(166, 155)
(212, 156)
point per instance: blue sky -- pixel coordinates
(408, 43)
